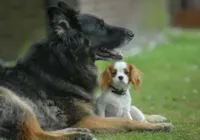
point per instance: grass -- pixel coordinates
(171, 87)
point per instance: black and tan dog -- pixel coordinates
(51, 89)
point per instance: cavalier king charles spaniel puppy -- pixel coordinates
(115, 100)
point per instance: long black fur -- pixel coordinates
(58, 72)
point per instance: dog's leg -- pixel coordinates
(137, 114)
(155, 118)
(100, 109)
(99, 124)
(30, 130)
(127, 115)
(19, 122)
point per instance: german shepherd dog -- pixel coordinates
(49, 93)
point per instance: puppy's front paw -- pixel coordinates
(156, 118)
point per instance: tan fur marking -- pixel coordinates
(30, 130)
(29, 127)
(134, 76)
(112, 124)
(106, 77)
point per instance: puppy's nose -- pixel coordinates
(120, 77)
(129, 33)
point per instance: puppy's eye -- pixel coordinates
(113, 74)
(126, 72)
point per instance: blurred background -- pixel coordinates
(22, 21)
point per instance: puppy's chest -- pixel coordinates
(118, 100)
(117, 104)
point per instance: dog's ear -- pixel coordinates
(57, 20)
(60, 25)
(106, 77)
(134, 76)
(69, 11)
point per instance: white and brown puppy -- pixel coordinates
(115, 100)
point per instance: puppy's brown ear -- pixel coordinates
(135, 76)
(106, 77)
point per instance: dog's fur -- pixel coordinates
(52, 87)
(115, 99)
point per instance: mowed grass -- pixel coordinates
(171, 87)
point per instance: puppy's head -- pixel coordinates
(105, 38)
(120, 74)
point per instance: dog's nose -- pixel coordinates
(129, 33)
(120, 77)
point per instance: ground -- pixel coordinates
(171, 75)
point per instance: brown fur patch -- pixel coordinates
(134, 76)
(30, 130)
(113, 124)
(106, 77)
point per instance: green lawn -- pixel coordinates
(171, 87)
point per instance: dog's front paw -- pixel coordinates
(155, 118)
(83, 137)
(166, 127)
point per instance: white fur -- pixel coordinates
(112, 105)
(116, 82)
(155, 118)
(137, 114)
(109, 104)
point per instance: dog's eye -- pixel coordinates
(101, 25)
(126, 72)
(113, 74)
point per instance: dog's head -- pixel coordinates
(88, 30)
(120, 74)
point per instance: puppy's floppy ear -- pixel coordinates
(57, 20)
(67, 10)
(135, 76)
(106, 77)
